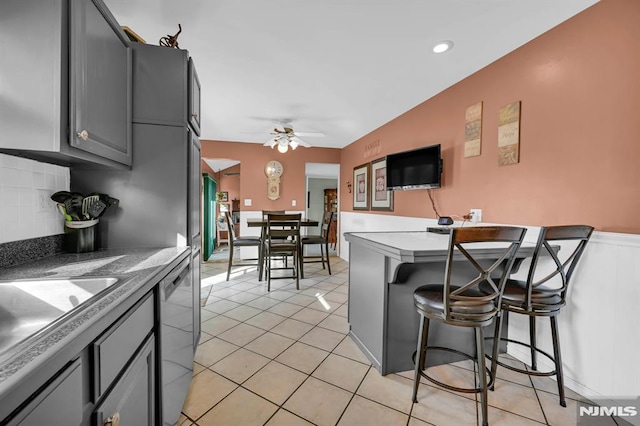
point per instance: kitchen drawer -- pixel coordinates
(59, 403)
(113, 350)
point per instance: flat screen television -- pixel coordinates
(416, 169)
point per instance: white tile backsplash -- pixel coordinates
(22, 181)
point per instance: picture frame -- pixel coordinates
(222, 196)
(361, 187)
(381, 197)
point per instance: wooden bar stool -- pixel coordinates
(283, 240)
(240, 242)
(322, 240)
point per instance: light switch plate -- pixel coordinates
(293, 203)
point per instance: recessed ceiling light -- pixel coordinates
(442, 46)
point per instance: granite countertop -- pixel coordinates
(135, 269)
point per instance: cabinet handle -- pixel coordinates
(84, 135)
(113, 420)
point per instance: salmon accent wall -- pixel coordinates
(253, 182)
(579, 85)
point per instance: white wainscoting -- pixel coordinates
(600, 326)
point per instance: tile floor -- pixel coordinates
(284, 358)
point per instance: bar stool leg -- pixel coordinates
(558, 359)
(322, 255)
(421, 354)
(532, 341)
(326, 249)
(482, 375)
(496, 348)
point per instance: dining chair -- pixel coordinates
(283, 241)
(322, 240)
(543, 294)
(239, 242)
(458, 301)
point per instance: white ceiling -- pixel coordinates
(341, 67)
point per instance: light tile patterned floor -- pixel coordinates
(284, 358)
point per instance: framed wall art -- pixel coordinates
(381, 198)
(509, 134)
(361, 187)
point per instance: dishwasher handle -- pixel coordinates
(175, 278)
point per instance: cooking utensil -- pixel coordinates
(73, 206)
(91, 206)
(108, 202)
(61, 196)
(63, 211)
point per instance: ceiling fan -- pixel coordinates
(287, 137)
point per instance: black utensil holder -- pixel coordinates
(80, 236)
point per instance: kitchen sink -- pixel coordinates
(29, 306)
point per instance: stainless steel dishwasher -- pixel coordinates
(176, 340)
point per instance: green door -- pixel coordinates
(209, 202)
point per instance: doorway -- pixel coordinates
(322, 187)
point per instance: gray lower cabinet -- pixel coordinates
(116, 375)
(66, 93)
(131, 400)
(59, 403)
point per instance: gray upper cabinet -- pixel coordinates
(100, 83)
(65, 95)
(194, 98)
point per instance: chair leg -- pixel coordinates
(496, 347)
(230, 262)
(326, 250)
(296, 265)
(268, 264)
(532, 341)
(322, 256)
(482, 375)
(558, 359)
(421, 354)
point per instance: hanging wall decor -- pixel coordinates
(381, 197)
(473, 130)
(361, 187)
(509, 134)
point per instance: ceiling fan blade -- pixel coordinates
(309, 134)
(301, 142)
(271, 143)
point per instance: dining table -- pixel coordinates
(262, 223)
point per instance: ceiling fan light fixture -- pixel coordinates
(293, 144)
(442, 46)
(283, 147)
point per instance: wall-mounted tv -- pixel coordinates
(416, 169)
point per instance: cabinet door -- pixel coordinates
(194, 98)
(60, 403)
(132, 399)
(195, 185)
(99, 83)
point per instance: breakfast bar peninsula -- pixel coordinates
(385, 268)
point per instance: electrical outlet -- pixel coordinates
(293, 203)
(476, 215)
(44, 203)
